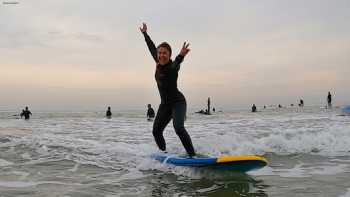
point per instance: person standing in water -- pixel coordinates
(22, 113)
(173, 103)
(109, 113)
(26, 113)
(329, 100)
(253, 108)
(208, 103)
(150, 112)
(301, 104)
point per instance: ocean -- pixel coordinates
(76, 154)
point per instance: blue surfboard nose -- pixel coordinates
(179, 161)
(241, 163)
(346, 110)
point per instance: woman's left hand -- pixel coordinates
(185, 49)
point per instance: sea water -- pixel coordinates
(84, 154)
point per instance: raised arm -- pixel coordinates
(151, 46)
(179, 58)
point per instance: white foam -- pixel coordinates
(4, 163)
(302, 170)
(26, 156)
(281, 135)
(328, 169)
(14, 132)
(75, 168)
(126, 142)
(347, 194)
(23, 184)
(17, 184)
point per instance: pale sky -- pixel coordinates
(84, 54)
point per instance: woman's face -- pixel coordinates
(163, 55)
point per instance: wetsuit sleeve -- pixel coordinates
(178, 60)
(151, 46)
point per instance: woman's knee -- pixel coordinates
(156, 132)
(179, 129)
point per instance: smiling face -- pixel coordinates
(163, 55)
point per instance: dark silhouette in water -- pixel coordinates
(253, 108)
(201, 111)
(208, 109)
(301, 103)
(329, 100)
(109, 113)
(279, 106)
(150, 112)
(26, 113)
(173, 103)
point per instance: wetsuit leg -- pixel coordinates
(179, 113)
(163, 117)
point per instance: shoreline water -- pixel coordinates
(86, 154)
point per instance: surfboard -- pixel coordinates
(346, 110)
(242, 163)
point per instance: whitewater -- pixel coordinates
(85, 154)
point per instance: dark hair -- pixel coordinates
(165, 45)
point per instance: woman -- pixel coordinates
(173, 102)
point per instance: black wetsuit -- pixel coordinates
(26, 114)
(108, 113)
(150, 113)
(254, 108)
(173, 103)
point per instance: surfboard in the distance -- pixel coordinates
(346, 110)
(241, 163)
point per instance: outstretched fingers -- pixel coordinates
(185, 45)
(185, 49)
(143, 28)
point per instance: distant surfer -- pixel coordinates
(329, 100)
(253, 108)
(173, 103)
(26, 113)
(109, 113)
(200, 111)
(150, 112)
(301, 103)
(208, 104)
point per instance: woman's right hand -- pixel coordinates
(143, 29)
